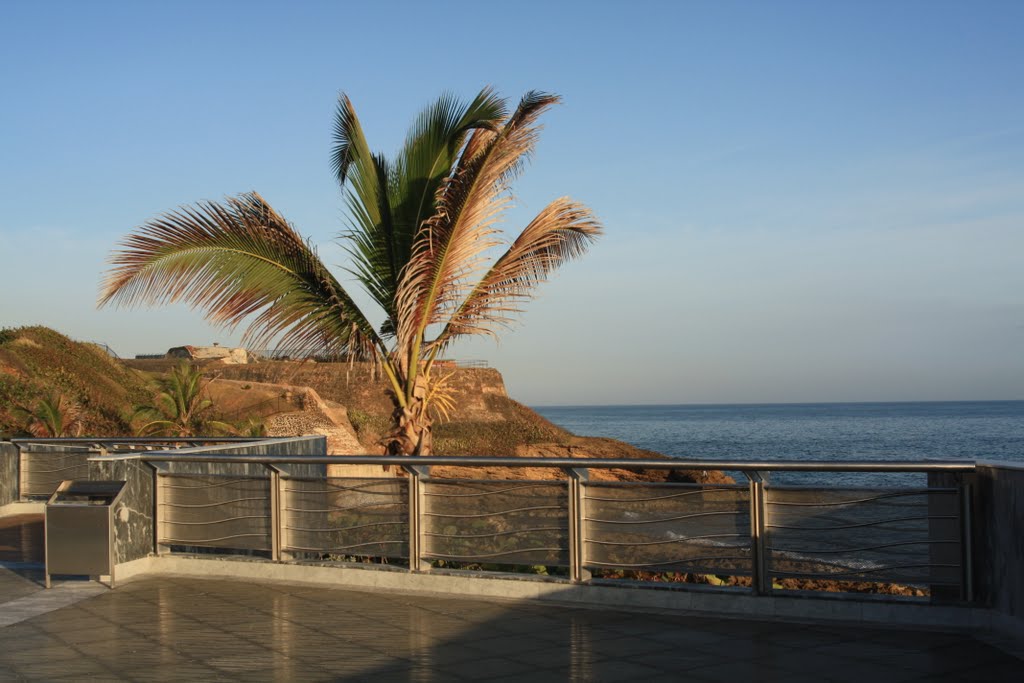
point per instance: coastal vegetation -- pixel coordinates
(419, 229)
(53, 415)
(180, 407)
(37, 362)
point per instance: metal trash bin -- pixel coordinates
(80, 528)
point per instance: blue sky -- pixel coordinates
(803, 201)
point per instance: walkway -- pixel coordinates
(171, 629)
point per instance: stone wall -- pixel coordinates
(133, 517)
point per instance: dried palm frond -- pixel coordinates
(449, 248)
(561, 232)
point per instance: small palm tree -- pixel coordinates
(54, 415)
(419, 229)
(180, 409)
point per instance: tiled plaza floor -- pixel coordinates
(171, 629)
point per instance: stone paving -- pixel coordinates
(171, 629)
(187, 629)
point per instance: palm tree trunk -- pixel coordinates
(412, 432)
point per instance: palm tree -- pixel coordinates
(419, 229)
(180, 409)
(54, 415)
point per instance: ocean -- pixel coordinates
(973, 430)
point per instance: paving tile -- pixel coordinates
(731, 671)
(191, 629)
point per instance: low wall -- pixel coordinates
(134, 520)
(134, 516)
(9, 457)
(998, 513)
(299, 445)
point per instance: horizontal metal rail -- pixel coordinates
(85, 440)
(880, 466)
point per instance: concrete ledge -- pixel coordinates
(130, 570)
(12, 509)
(802, 608)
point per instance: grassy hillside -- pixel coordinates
(37, 360)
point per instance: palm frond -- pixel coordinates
(234, 260)
(562, 231)
(380, 236)
(449, 247)
(364, 179)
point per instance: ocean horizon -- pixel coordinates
(764, 403)
(906, 430)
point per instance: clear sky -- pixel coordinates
(814, 201)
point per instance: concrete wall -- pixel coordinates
(8, 473)
(998, 521)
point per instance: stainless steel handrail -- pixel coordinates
(881, 466)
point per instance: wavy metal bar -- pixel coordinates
(211, 485)
(338, 489)
(341, 549)
(222, 520)
(874, 570)
(717, 513)
(347, 508)
(482, 556)
(446, 482)
(685, 539)
(803, 551)
(497, 513)
(495, 534)
(689, 562)
(337, 529)
(865, 524)
(166, 540)
(218, 503)
(922, 492)
(741, 490)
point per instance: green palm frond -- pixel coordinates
(238, 259)
(388, 210)
(180, 408)
(562, 231)
(54, 415)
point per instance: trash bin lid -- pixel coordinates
(86, 492)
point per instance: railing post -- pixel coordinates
(760, 579)
(966, 545)
(158, 517)
(417, 507)
(275, 513)
(21, 473)
(577, 525)
(947, 531)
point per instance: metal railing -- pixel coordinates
(589, 529)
